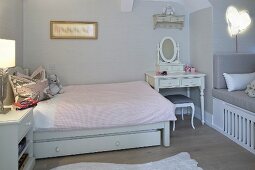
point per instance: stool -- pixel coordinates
(181, 101)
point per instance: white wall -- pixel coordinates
(125, 49)
(209, 34)
(11, 17)
(201, 51)
(11, 24)
(222, 41)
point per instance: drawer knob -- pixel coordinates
(57, 149)
(117, 143)
(28, 124)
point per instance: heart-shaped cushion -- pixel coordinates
(237, 21)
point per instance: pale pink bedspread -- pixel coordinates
(103, 105)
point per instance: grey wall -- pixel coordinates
(209, 34)
(125, 49)
(222, 40)
(11, 24)
(201, 45)
(11, 19)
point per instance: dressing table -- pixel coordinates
(168, 60)
(179, 80)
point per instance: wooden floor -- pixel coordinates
(212, 150)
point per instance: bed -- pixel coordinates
(234, 112)
(102, 117)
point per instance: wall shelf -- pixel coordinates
(168, 21)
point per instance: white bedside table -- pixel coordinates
(14, 126)
(179, 80)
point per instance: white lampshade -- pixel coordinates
(237, 21)
(7, 53)
(245, 21)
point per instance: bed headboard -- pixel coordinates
(231, 63)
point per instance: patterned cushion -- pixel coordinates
(33, 86)
(250, 90)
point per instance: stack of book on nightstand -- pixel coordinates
(22, 144)
(22, 161)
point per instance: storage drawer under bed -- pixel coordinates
(63, 147)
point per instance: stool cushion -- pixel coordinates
(179, 99)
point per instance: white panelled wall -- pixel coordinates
(11, 17)
(125, 48)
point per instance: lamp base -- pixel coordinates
(5, 111)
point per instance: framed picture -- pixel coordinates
(73, 30)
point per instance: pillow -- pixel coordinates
(238, 81)
(38, 74)
(250, 90)
(22, 75)
(33, 86)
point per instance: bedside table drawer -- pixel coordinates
(169, 82)
(190, 82)
(25, 125)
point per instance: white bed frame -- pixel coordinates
(235, 123)
(73, 142)
(62, 143)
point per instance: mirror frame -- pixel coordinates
(161, 50)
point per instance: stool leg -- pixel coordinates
(192, 116)
(173, 125)
(182, 114)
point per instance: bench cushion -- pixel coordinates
(237, 98)
(179, 99)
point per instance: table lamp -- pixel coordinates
(7, 60)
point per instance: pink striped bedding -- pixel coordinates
(103, 106)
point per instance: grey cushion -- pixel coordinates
(231, 63)
(179, 99)
(237, 98)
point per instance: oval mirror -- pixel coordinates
(168, 49)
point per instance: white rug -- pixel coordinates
(181, 161)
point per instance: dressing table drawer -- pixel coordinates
(191, 82)
(169, 82)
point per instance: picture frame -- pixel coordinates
(73, 30)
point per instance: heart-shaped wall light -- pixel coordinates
(237, 21)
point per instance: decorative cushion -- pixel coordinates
(33, 86)
(9, 92)
(238, 81)
(250, 90)
(179, 99)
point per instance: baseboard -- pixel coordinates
(217, 128)
(208, 116)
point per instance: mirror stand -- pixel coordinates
(176, 59)
(168, 57)
(170, 68)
